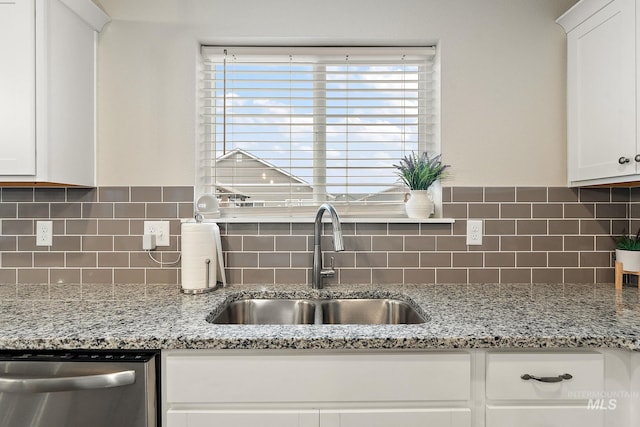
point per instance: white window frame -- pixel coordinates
(302, 209)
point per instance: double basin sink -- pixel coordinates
(342, 311)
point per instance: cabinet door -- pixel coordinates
(543, 416)
(242, 418)
(17, 88)
(68, 102)
(396, 417)
(601, 116)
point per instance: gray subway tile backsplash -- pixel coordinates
(562, 259)
(146, 194)
(113, 194)
(562, 194)
(177, 194)
(546, 275)
(17, 195)
(467, 194)
(484, 275)
(500, 227)
(579, 210)
(34, 275)
(531, 194)
(595, 194)
(564, 226)
(453, 275)
(515, 210)
(467, 259)
(579, 243)
(484, 210)
(531, 235)
(579, 275)
(97, 210)
(500, 259)
(515, 275)
(611, 210)
(546, 243)
(500, 194)
(547, 210)
(290, 275)
(533, 226)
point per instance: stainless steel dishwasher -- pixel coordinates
(78, 389)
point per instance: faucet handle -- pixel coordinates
(328, 272)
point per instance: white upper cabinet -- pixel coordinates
(47, 91)
(602, 142)
(17, 88)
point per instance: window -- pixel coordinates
(286, 129)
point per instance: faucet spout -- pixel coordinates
(338, 244)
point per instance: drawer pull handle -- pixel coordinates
(557, 379)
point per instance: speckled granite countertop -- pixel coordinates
(460, 316)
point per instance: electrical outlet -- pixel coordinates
(160, 229)
(44, 233)
(474, 232)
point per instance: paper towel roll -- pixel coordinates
(198, 247)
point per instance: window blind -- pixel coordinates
(285, 128)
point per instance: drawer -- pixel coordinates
(547, 416)
(287, 377)
(504, 371)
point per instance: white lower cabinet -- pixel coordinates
(325, 389)
(321, 418)
(243, 418)
(543, 389)
(584, 371)
(396, 417)
(466, 388)
(543, 416)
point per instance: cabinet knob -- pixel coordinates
(557, 379)
(637, 158)
(623, 160)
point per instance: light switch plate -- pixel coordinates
(160, 229)
(474, 232)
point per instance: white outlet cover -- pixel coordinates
(474, 232)
(44, 233)
(160, 229)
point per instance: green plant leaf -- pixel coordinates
(628, 242)
(420, 172)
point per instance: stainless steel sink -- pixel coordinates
(361, 311)
(268, 312)
(369, 312)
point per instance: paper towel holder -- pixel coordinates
(211, 282)
(208, 280)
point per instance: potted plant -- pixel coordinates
(628, 251)
(419, 173)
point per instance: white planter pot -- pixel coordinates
(419, 205)
(630, 259)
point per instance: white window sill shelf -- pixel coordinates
(370, 220)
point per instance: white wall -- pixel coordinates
(503, 73)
